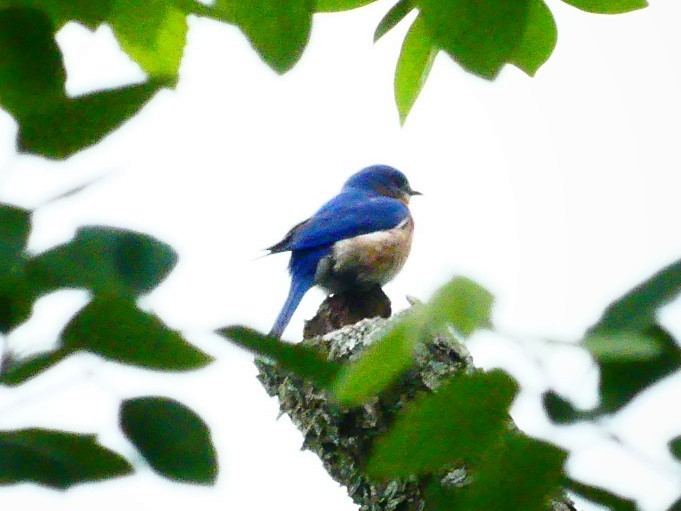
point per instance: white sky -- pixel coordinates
(558, 193)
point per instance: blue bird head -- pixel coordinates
(381, 180)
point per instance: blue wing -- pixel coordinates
(347, 215)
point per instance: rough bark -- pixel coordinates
(342, 438)
(344, 309)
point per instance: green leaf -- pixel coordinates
(106, 260)
(173, 439)
(461, 303)
(32, 78)
(675, 447)
(600, 496)
(153, 33)
(32, 74)
(340, 5)
(16, 299)
(23, 371)
(413, 67)
(629, 363)
(438, 497)
(608, 6)
(62, 128)
(15, 226)
(636, 309)
(89, 13)
(278, 31)
(455, 424)
(622, 379)
(624, 346)
(302, 361)
(520, 473)
(481, 35)
(396, 14)
(632, 350)
(56, 459)
(381, 363)
(560, 410)
(676, 506)
(538, 40)
(114, 328)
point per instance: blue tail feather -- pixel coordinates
(298, 289)
(303, 266)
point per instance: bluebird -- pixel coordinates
(358, 240)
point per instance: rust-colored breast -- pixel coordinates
(367, 260)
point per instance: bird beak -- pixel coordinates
(414, 192)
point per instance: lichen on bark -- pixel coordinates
(342, 438)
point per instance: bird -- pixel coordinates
(357, 240)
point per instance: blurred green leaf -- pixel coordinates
(302, 361)
(32, 74)
(676, 506)
(633, 352)
(18, 373)
(560, 410)
(413, 67)
(340, 5)
(481, 35)
(114, 328)
(396, 14)
(380, 364)
(56, 458)
(172, 438)
(608, 6)
(104, 259)
(626, 368)
(439, 497)
(600, 496)
(522, 474)
(16, 299)
(538, 40)
(461, 303)
(62, 128)
(623, 379)
(32, 78)
(153, 33)
(635, 311)
(457, 423)
(15, 226)
(624, 346)
(675, 447)
(278, 31)
(519, 473)
(89, 13)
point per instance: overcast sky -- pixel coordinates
(557, 193)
